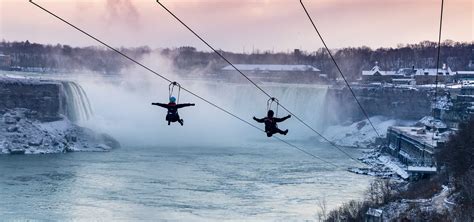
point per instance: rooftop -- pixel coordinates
(465, 72)
(272, 67)
(419, 134)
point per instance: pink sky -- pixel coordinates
(238, 25)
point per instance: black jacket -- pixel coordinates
(270, 122)
(173, 107)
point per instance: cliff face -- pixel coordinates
(44, 98)
(400, 103)
(37, 117)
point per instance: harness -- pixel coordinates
(273, 101)
(171, 89)
(270, 123)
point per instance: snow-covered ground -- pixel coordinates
(439, 203)
(381, 165)
(361, 134)
(21, 133)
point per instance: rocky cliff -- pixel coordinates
(396, 102)
(44, 98)
(40, 117)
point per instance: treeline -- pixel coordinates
(351, 60)
(66, 58)
(186, 59)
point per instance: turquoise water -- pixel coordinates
(265, 182)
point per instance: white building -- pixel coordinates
(409, 75)
(275, 72)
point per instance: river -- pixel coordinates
(264, 181)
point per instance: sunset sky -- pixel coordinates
(238, 25)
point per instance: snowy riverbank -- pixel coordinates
(381, 165)
(361, 134)
(22, 133)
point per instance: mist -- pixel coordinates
(122, 107)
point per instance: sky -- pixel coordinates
(238, 25)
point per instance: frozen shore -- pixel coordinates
(22, 133)
(361, 134)
(381, 165)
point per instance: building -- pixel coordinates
(275, 73)
(374, 215)
(409, 76)
(415, 146)
(411, 145)
(465, 76)
(429, 76)
(377, 75)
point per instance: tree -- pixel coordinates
(458, 158)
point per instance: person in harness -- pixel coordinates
(172, 115)
(271, 123)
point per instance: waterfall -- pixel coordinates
(306, 101)
(124, 111)
(77, 106)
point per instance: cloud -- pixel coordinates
(122, 11)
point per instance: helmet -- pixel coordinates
(270, 113)
(172, 99)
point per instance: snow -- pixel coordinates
(360, 134)
(430, 122)
(465, 72)
(271, 67)
(443, 102)
(427, 139)
(382, 73)
(56, 126)
(394, 167)
(413, 208)
(374, 212)
(455, 86)
(25, 135)
(421, 169)
(432, 86)
(385, 167)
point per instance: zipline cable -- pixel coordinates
(255, 84)
(437, 66)
(184, 89)
(439, 51)
(339, 69)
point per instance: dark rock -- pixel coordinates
(17, 151)
(26, 93)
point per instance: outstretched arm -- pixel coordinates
(184, 105)
(258, 120)
(282, 119)
(161, 105)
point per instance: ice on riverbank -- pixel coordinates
(380, 165)
(22, 133)
(361, 134)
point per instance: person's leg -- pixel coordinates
(281, 131)
(269, 134)
(178, 119)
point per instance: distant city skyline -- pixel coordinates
(238, 26)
